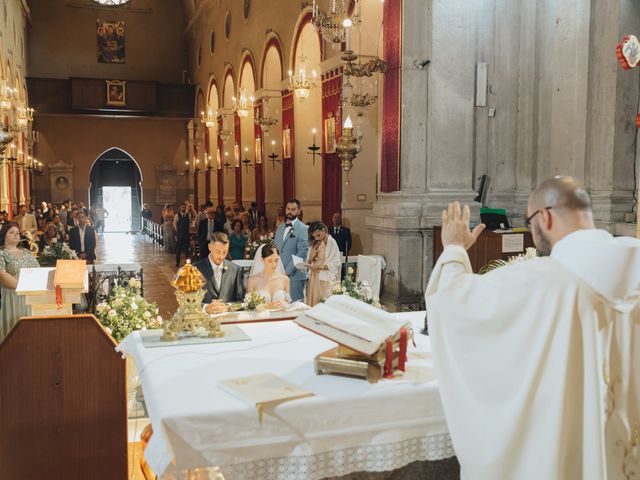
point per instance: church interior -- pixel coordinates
(172, 147)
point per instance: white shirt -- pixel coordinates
(217, 272)
(81, 231)
(288, 228)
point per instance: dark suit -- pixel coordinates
(253, 217)
(183, 226)
(203, 233)
(231, 289)
(89, 242)
(342, 237)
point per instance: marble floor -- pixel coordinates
(157, 264)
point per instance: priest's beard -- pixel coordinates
(542, 243)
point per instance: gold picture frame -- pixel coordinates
(116, 93)
(286, 143)
(330, 135)
(258, 148)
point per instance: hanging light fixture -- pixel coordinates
(6, 95)
(243, 105)
(330, 25)
(300, 83)
(263, 120)
(209, 117)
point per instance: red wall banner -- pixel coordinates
(288, 164)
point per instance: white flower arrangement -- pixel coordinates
(529, 254)
(53, 252)
(126, 311)
(254, 301)
(360, 290)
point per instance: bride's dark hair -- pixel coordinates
(269, 249)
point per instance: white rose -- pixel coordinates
(112, 313)
(350, 270)
(344, 289)
(54, 240)
(118, 302)
(146, 315)
(101, 307)
(134, 306)
(159, 319)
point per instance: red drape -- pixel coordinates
(196, 170)
(236, 123)
(288, 164)
(219, 167)
(207, 165)
(331, 169)
(392, 33)
(259, 155)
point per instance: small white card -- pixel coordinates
(296, 260)
(513, 243)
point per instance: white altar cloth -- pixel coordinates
(349, 425)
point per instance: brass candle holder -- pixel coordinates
(347, 148)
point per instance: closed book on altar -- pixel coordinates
(35, 281)
(70, 274)
(263, 389)
(352, 323)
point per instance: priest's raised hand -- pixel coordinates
(455, 227)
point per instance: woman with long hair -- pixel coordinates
(262, 229)
(13, 257)
(268, 278)
(237, 241)
(280, 218)
(323, 262)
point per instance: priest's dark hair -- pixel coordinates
(269, 249)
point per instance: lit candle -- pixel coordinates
(314, 74)
(348, 123)
(273, 145)
(347, 32)
(314, 136)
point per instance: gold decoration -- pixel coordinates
(188, 279)
(347, 148)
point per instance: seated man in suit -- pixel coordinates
(82, 239)
(224, 278)
(206, 227)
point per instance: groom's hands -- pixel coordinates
(455, 227)
(217, 307)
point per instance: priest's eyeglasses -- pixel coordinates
(527, 221)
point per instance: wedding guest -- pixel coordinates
(59, 226)
(49, 236)
(262, 229)
(13, 257)
(220, 219)
(100, 213)
(82, 239)
(323, 263)
(72, 220)
(26, 221)
(341, 234)
(246, 224)
(280, 217)
(168, 230)
(291, 239)
(182, 226)
(3, 218)
(206, 227)
(224, 278)
(82, 208)
(237, 241)
(228, 226)
(146, 213)
(253, 215)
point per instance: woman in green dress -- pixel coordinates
(237, 241)
(13, 257)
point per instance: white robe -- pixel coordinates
(538, 362)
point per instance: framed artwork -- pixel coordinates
(236, 154)
(110, 36)
(330, 135)
(286, 143)
(258, 148)
(116, 93)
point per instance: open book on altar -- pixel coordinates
(352, 323)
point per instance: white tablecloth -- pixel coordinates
(350, 259)
(349, 425)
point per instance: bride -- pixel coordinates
(268, 278)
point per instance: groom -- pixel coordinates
(224, 278)
(292, 239)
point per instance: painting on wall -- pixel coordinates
(116, 94)
(258, 148)
(110, 37)
(330, 134)
(286, 143)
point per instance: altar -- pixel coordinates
(348, 425)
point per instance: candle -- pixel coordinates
(348, 123)
(273, 145)
(314, 136)
(347, 32)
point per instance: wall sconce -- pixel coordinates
(313, 149)
(347, 148)
(274, 156)
(226, 164)
(246, 162)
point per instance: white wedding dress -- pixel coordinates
(257, 268)
(277, 296)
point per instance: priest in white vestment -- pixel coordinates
(538, 362)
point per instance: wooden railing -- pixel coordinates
(153, 230)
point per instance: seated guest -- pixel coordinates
(146, 213)
(13, 257)
(224, 278)
(261, 230)
(82, 239)
(237, 241)
(206, 227)
(323, 262)
(535, 360)
(268, 278)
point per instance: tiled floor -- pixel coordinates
(158, 265)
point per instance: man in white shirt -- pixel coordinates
(537, 362)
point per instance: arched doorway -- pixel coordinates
(115, 183)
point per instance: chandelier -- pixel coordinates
(209, 119)
(24, 116)
(243, 105)
(331, 25)
(300, 83)
(263, 120)
(223, 133)
(6, 95)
